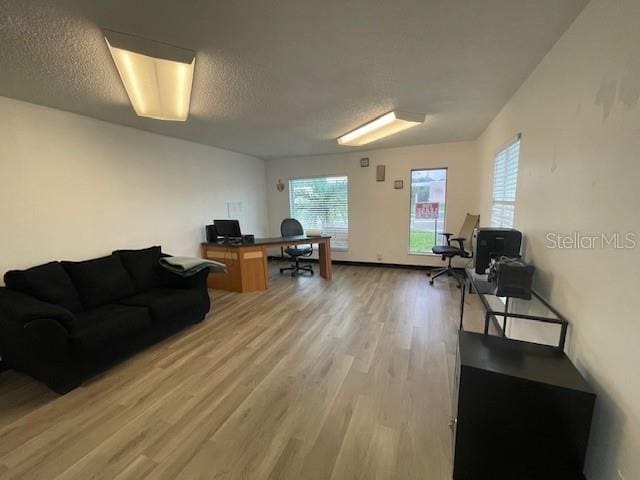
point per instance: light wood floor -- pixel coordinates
(308, 380)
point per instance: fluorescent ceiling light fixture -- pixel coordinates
(156, 76)
(387, 124)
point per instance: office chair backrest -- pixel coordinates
(290, 227)
(471, 222)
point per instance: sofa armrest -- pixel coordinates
(50, 336)
(23, 309)
(35, 338)
(197, 281)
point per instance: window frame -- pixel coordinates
(446, 200)
(320, 176)
(504, 149)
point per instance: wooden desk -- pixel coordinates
(247, 263)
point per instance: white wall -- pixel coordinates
(580, 172)
(379, 214)
(74, 188)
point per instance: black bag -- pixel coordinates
(512, 276)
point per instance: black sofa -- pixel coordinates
(62, 322)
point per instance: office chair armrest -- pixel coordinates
(447, 235)
(460, 241)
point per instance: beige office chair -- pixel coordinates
(464, 249)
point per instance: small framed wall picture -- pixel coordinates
(364, 162)
(380, 173)
(398, 184)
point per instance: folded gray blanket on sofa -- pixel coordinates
(188, 266)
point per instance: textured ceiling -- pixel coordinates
(280, 78)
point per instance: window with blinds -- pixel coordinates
(505, 180)
(322, 203)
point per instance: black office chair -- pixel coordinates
(290, 227)
(449, 252)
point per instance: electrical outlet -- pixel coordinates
(379, 256)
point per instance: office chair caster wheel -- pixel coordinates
(428, 273)
(312, 273)
(430, 282)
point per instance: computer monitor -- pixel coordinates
(228, 228)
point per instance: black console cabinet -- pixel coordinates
(522, 411)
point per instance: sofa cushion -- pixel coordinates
(143, 267)
(48, 283)
(103, 326)
(100, 281)
(166, 304)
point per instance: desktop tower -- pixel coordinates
(212, 234)
(495, 243)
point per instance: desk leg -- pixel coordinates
(464, 289)
(487, 317)
(324, 257)
(265, 263)
(504, 322)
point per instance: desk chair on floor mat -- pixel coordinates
(463, 249)
(290, 227)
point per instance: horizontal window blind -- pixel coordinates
(322, 203)
(505, 180)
